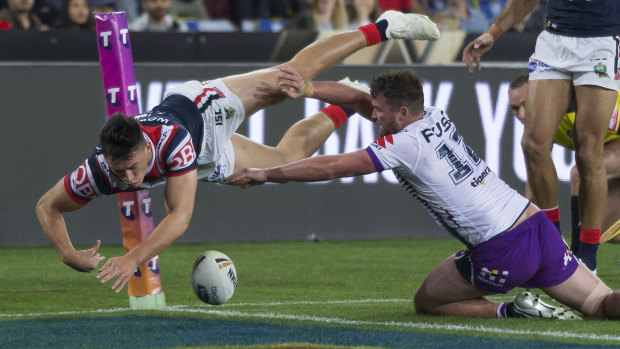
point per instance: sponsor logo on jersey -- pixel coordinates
(184, 156)
(479, 180)
(383, 140)
(80, 182)
(601, 70)
(493, 277)
(438, 130)
(218, 172)
(230, 112)
(537, 66)
(208, 95)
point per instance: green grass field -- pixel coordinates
(339, 293)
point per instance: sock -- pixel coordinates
(338, 114)
(375, 32)
(588, 247)
(554, 216)
(575, 224)
(501, 311)
(506, 310)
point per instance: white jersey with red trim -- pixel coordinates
(171, 130)
(432, 162)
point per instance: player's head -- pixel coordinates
(125, 148)
(396, 97)
(516, 95)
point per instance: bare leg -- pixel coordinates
(301, 140)
(547, 103)
(594, 108)
(259, 89)
(445, 292)
(585, 292)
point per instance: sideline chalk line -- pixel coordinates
(205, 309)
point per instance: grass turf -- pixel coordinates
(289, 283)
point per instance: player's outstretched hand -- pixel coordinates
(86, 260)
(247, 178)
(120, 268)
(476, 49)
(293, 84)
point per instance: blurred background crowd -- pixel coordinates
(469, 16)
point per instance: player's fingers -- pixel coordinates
(291, 93)
(96, 246)
(289, 70)
(478, 63)
(122, 285)
(106, 265)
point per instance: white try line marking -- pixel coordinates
(327, 320)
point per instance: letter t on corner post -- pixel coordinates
(119, 86)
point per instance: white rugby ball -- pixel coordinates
(214, 277)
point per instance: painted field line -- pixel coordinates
(416, 325)
(346, 301)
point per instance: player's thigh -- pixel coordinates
(252, 154)
(546, 104)
(257, 89)
(595, 105)
(582, 291)
(445, 285)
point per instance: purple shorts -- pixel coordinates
(532, 255)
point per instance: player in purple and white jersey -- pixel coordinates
(510, 242)
(578, 50)
(191, 136)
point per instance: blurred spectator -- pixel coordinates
(329, 15)
(362, 12)
(458, 15)
(103, 6)
(19, 15)
(189, 9)
(48, 11)
(534, 21)
(415, 6)
(302, 19)
(490, 8)
(131, 8)
(156, 18)
(76, 15)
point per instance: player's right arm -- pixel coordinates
(50, 209)
(513, 12)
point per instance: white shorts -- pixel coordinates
(222, 113)
(585, 61)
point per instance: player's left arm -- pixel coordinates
(180, 195)
(319, 168)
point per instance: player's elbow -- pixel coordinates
(43, 206)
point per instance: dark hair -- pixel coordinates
(400, 88)
(519, 81)
(65, 22)
(120, 136)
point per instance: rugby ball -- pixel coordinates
(214, 277)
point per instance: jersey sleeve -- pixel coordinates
(180, 154)
(87, 181)
(392, 151)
